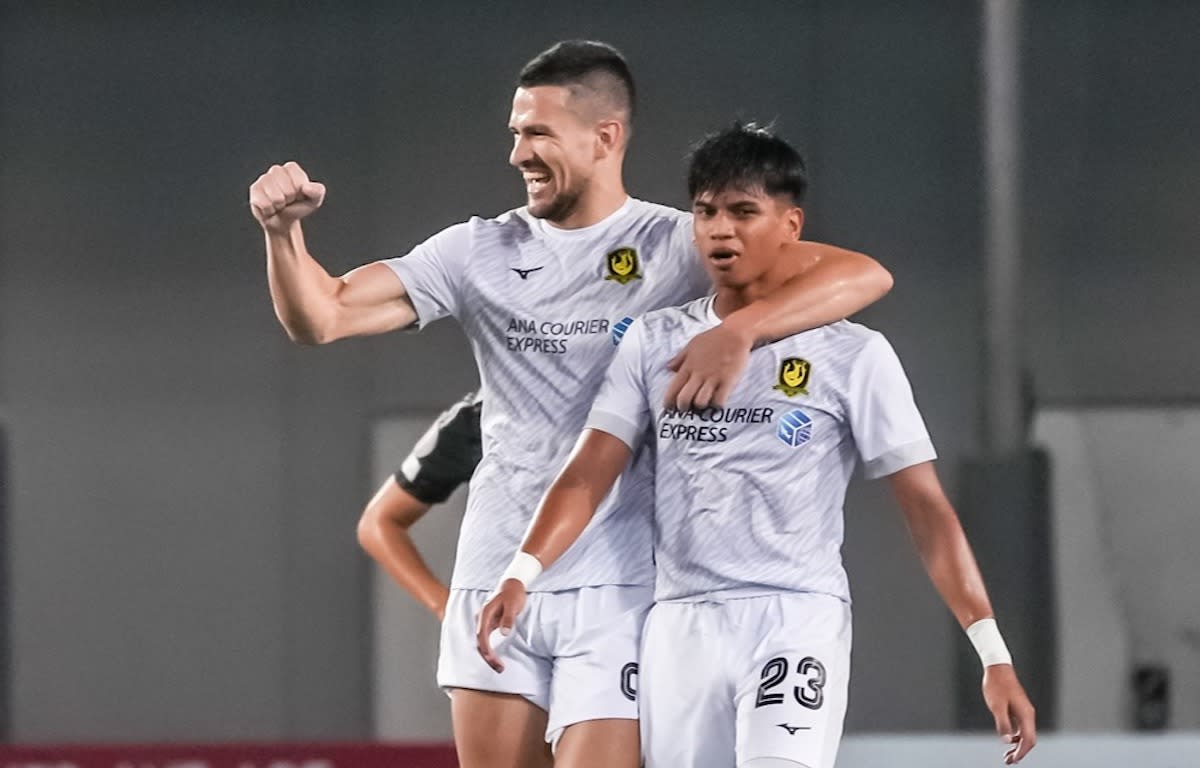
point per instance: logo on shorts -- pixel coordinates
(619, 328)
(791, 729)
(623, 265)
(795, 428)
(793, 376)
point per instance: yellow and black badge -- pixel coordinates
(623, 266)
(793, 376)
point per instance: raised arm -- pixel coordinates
(595, 464)
(833, 284)
(313, 306)
(951, 566)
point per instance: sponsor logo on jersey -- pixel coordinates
(794, 373)
(619, 328)
(623, 265)
(795, 428)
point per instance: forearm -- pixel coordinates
(568, 506)
(301, 290)
(564, 513)
(951, 565)
(390, 545)
(836, 284)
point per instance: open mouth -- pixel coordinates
(723, 256)
(536, 182)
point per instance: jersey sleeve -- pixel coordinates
(621, 407)
(446, 455)
(432, 273)
(887, 427)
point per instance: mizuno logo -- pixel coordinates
(524, 273)
(791, 729)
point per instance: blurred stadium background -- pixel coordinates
(179, 484)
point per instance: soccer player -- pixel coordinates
(543, 293)
(441, 460)
(746, 653)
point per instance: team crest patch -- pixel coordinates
(793, 376)
(623, 265)
(795, 428)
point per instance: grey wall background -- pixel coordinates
(184, 482)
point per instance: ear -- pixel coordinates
(795, 222)
(610, 137)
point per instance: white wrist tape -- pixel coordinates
(988, 642)
(524, 568)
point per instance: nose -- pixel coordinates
(521, 151)
(721, 227)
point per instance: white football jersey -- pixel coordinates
(748, 498)
(544, 309)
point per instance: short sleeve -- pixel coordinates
(888, 428)
(621, 407)
(432, 273)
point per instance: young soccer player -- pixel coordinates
(746, 652)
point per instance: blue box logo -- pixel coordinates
(795, 428)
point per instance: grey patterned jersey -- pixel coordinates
(748, 497)
(544, 309)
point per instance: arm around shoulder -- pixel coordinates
(832, 284)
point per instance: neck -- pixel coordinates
(731, 298)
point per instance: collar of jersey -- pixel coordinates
(556, 233)
(710, 310)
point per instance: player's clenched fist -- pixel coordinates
(284, 194)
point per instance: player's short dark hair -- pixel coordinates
(584, 66)
(747, 156)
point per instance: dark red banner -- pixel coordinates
(230, 756)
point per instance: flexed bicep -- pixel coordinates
(369, 300)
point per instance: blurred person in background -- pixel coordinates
(442, 460)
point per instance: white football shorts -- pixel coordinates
(723, 683)
(572, 653)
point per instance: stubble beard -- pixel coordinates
(559, 208)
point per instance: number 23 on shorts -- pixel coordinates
(808, 687)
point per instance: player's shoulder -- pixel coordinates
(852, 333)
(671, 319)
(654, 222)
(505, 229)
(852, 341)
(646, 210)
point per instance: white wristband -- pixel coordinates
(524, 568)
(988, 642)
